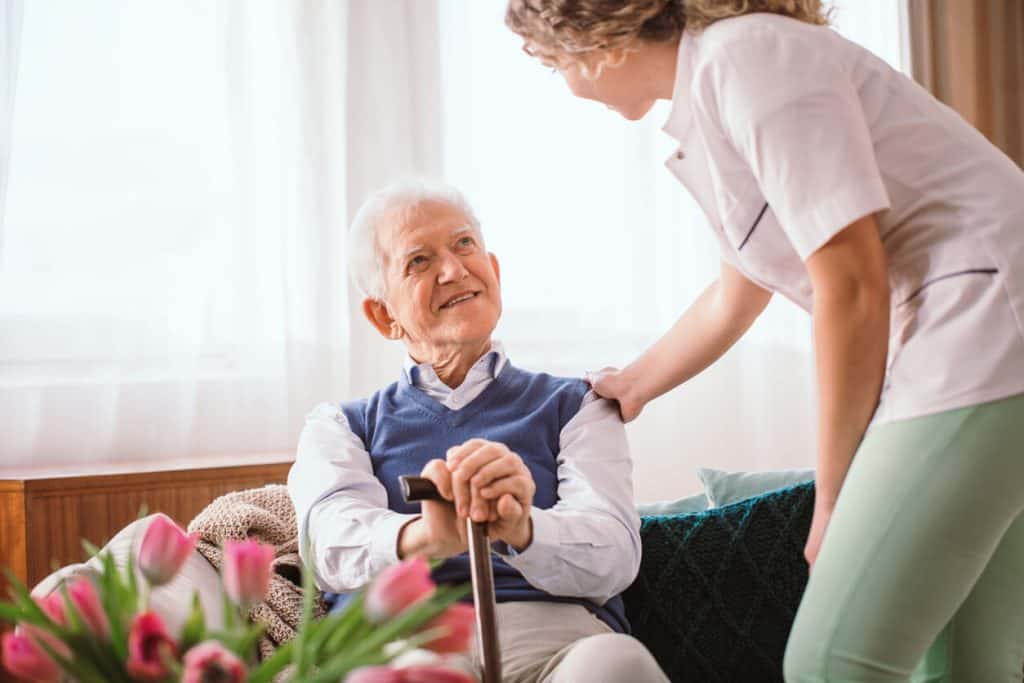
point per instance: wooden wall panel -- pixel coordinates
(65, 510)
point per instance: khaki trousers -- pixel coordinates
(550, 642)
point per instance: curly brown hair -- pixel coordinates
(565, 32)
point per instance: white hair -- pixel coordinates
(365, 261)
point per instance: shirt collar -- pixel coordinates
(492, 363)
(681, 113)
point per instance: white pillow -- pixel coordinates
(173, 600)
(723, 488)
(695, 503)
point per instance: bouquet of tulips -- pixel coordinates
(100, 630)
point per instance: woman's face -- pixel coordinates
(617, 87)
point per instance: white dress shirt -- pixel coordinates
(789, 133)
(587, 545)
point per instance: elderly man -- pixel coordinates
(543, 460)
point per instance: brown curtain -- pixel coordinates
(970, 54)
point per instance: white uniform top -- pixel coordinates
(789, 133)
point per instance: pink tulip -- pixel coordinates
(165, 547)
(149, 645)
(87, 602)
(434, 674)
(247, 569)
(459, 621)
(211, 661)
(25, 659)
(41, 637)
(374, 674)
(397, 587)
(53, 606)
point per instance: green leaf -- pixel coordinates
(11, 613)
(110, 596)
(194, 629)
(231, 617)
(302, 660)
(265, 672)
(246, 642)
(90, 550)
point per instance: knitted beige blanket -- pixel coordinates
(267, 515)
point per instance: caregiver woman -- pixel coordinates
(836, 181)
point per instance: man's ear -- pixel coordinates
(494, 264)
(377, 313)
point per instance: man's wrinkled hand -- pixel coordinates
(490, 483)
(438, 532)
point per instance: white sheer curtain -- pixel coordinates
(393, 128)
(602, 250)
(10, 48)
(172, 281)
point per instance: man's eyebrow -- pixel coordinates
(458, 232)
(412, 250)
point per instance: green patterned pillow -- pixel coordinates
(718, 590)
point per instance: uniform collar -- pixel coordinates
(491, 364)
(681, 114)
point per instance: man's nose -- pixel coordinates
(452, 269)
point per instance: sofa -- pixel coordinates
(714, 599)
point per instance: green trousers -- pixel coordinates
(921, 573)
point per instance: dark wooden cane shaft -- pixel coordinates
(483, 596)
(482, 575)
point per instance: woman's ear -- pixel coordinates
(380, 317)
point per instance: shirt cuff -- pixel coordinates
(384, 541)
(543, 545)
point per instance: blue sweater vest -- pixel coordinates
(402, 429)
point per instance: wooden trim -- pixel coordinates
(121, 483)
(13, 532)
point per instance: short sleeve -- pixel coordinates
(794, 116)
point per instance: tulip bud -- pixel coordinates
(435, 674)
(211, 661)
(397, 587)
(246, 572)
(458, 621)
(149, 645)
(164, 548)
(374, 674)
(85, 599)
(24, 658)
(53, 606)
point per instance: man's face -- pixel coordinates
(441, 287)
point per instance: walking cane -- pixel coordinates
(421, 488)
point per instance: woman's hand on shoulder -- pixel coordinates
(617, 385)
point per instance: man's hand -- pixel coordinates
(438, 533)
(491, 484)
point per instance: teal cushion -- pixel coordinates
(723, 488)
(695, 503)
(718, 590)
